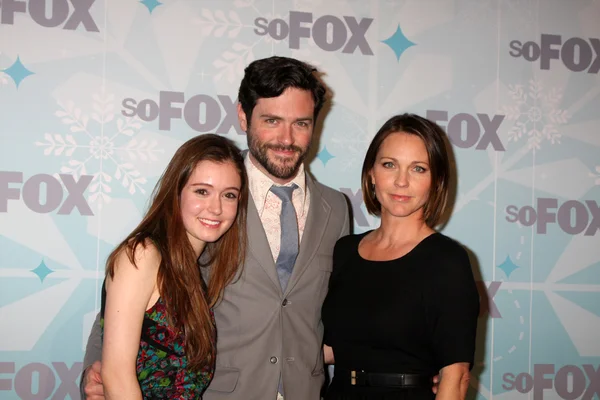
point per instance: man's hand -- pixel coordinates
(92, 382)
(436, 384)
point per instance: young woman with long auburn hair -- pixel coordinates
(158, 328)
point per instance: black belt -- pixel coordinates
(386, 379)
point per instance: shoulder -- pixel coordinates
(345, 251)
(347, 241)
(447, 248)
(335, 198)
(449, 260)
(134, 269)
(144, 257)
(347, 244)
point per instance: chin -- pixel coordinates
(285, 163)
(401, 212)
(210, 237)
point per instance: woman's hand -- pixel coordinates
(328, 355)
(454, 382)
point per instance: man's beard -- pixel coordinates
(286, 170)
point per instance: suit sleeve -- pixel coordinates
(346, 226)
(93, 349)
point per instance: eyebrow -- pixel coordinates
(412, 162)
(272, 116)
(209, 185)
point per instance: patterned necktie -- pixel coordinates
(289, 234)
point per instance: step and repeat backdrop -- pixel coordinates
(96, 95)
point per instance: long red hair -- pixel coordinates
(187, 297)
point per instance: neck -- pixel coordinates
(402, 230)
(199, 250)
(197, 245)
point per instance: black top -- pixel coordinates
(414, 314)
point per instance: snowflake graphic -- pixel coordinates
(536, 114)
(231, 63)
(352, 141)
(112, 150)
(218, 23)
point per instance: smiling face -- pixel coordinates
(279, 132)
(209, 202)
(401, 175)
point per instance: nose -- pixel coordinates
(214, 205)
(401, 179)
(286, 135)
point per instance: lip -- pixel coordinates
(400, 198)
(284, 153)
(209, 225)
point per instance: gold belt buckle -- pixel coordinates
(356, 379)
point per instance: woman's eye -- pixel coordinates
(201, 192)
(231, 196)
(420, 169)
(388, 164)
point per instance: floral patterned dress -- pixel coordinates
(161, 363)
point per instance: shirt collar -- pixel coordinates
(260, 184)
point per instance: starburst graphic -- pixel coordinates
(536, 113)
(325, 156)
(398, 43)
(508, 267)
(42, 271)
(107, 152)
(17, 72)
(151, 4)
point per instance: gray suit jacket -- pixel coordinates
(263, 333)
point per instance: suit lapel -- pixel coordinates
(316, 223)
(258, 244)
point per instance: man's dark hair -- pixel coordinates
(270, 77)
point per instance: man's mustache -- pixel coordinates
(284, 148)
